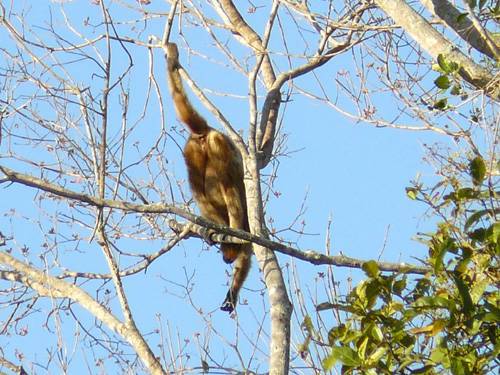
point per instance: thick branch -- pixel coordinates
(53, 287)
(436, 44)
(158, 208)
(269, 117)
(250, 37)
(199, 223)
(17, 369)
(462, 25)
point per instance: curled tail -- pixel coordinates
(242, 256)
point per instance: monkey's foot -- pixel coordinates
(229, 302)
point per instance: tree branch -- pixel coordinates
(436, 44)
(17, 369)
(310, 256)
(463, 26)
(200, 225)
(52, 287)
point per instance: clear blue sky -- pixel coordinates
(354, 173)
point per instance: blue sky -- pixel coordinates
(352, 172)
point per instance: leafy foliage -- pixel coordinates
(448, 79)
(447, 320)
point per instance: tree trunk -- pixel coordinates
(281, 308)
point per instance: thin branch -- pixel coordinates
(310, 256)
(136, 268)
(168, 25)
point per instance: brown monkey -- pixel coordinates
(215, 173)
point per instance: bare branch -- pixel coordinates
(53, 287)
(310, 256)
(199, 225)
(17, 369)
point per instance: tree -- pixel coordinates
(87, 134)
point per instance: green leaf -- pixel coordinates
(343, 354)
(407, 340)
(362, 347)
(399, 286)
(329, 362)
(453, 66)
(371, 268)
(461, 17)
(478, 234)
(432, 302)
(376, 333)
(477, 170)
(443, 82)
(493, 233)
(478, 288)
(335, 333)
(440, 355)
(463, 290)
(442, 243)
(376, 355)
(467, 193)
(476, 216)
(456, 90)
(443, 64)
(457, 367)
(307, 325)
(411, 193)
(441, 104)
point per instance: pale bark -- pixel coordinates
(52, 287)
(462, 25)
(280, 306)
(261, 144)
(436, 44)
(266, 132)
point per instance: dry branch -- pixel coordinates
(219, 233)
(49, 286)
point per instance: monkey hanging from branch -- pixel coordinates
(215, 172)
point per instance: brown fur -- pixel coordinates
(215, 173)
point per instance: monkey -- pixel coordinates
(215, 174)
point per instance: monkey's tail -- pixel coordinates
(241, 268)
(185, 110)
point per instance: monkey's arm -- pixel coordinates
(185, 111)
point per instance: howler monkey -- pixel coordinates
(215, 171)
